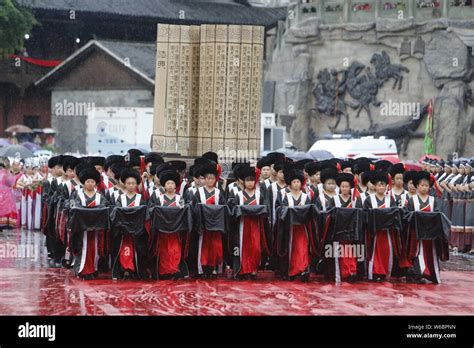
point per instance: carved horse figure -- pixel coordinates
(384, 70)
(362, 88)
(329, 93)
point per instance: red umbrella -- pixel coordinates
(393, 159)
(412, 165)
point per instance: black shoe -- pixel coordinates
(305, 277)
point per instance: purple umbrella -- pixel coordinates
(31, 146)
(4, 142)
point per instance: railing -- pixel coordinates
(365, 11)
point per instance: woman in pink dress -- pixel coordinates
(8, 210)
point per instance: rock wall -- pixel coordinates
(440, 71)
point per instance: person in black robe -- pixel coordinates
(397, 190)
(168, 247)
(328, 178)
(425, 252)
(207, 245)
(343, 267)
(382, 245)
(130, 247)
(294, 244)
(49, 194)
(249, 246)
(86, 258)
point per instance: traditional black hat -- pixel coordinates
(274, 157)
(211, 156)
(328, 173)
(153, 157)
(113, 159)
(280, 165)
(301, 163)
(313, 167)
(69, 162)
(54, 161)
(117, 168)
(345, 164)
(397, 168)
(264, 162)
(130, 173)
(89, 173)
(409, 175)
(422, 175)
(383, 165)
(345, 177)
(97, 160)
(379, 175)
(83, 165)
(365, 178)
(210, 168)
(294, 174)
(169, 175)
(178, 165)
(361, 165)
(156, 169)
(247, 172)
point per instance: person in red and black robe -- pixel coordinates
(397, 191)
(343, 267)
(383, 244)
(248, 236)
(296, 255)
(424, 254)
(168, 248)
(328, 178)
(86, 261)
(209, 245)
(126, 261)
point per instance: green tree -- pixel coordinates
(15, 22)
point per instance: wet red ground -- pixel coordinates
(29, 287)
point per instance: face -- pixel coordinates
(317, 177)
(462, 170)
(295, 184)
(380, 187)
(16, 167)
(273, 172)
(210, 180)
(57, 170)
(398, 180)
(370, 186)
(90, 184)
(170, 186)
(448, 170)
(411, 187)
(29, 170)
(100, 169)
(345, 188)
(249, 183)
(347, 170)
(330, 185)
(280, 176)
(70, 174)
(265, 172)
(131, 184)
(423, 187)
(202, 181)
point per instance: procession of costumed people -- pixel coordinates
(140, 217)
